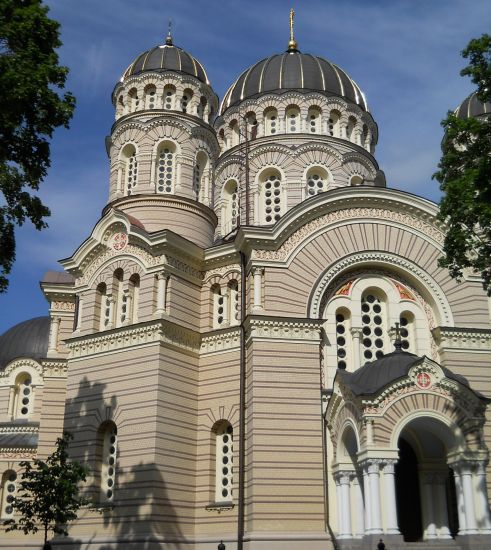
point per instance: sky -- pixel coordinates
(404, 54)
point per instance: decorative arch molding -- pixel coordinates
(269, 148)
(319, 147)
(359, 158)
(17, 366)
(388, 260)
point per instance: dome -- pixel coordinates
(293, 70)
(27, 339)
(167, 57)
(472, 106)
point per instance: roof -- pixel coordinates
(27, 339)
(58, 278)
(374, 376)
(167, 57)
(297, 71)
(472, 106)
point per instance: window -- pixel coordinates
(356, 180)
(24, 399)
(292, 120)
(373, 326)
(108, 434)
(314, 120)
(130, 168)
(224, 451)
(271, 122)
(9, 488)
(231, 207)
(200, 165)
(120, 297)
(406, 322)
(233, 291)
(271, 196)
(234, 133)
(186, 98)
(134, 100)
(343, 337)
(218, 307)
(202, 107)
(164, 176)
(333, 123)
(103, 307)
(169, 96)
(120, 107)
(364, 138)
(350, 128)
(133, 297)
(317, 180)
(150, 96)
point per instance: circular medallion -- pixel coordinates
(120, 240)
(423, 380)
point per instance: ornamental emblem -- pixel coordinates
(423, 380)
(120, 240)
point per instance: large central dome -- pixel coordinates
(293, 70)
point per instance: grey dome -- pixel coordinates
(27, 339)
(167, 57)
(472, 106)
(293, 70)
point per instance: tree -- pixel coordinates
(30, 110)
(465, 176)
(48, 493)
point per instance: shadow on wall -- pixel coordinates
(141, 512)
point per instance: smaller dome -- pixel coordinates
(167, 57)
(27, 339)
(472, 106)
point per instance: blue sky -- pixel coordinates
(403, 54)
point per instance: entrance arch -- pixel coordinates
(425, 487)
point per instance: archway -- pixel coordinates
(425, 487)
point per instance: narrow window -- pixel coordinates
(9, 489)
(169, 97)
(134, 297)
(186, 98)
(24, 401)
(314, 120)
(234, 132)
(333, 124)
(230, 219)
(317, 180)
(130, 168)
(218, 307)
(350, 128)
(271, 122)
(271, 192)
(165, 168)
(108, 462)
(150, 95)
(202, 107)
(200, 166)
(103, 307)
(134, 100)
(373, 326)
(292, 119)
(406, 322)
(342, 337)
(224, 463)
(120, 297)
(233, 290)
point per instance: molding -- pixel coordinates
(8, 375)
(227, 339)
(12, 427)
(462, 339)
(55, 369)
(159, 331)
(15, 453)
(283, 329)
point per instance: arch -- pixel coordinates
(356, 180)
(349, 441)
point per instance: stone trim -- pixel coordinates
(283, 329)
(218, 341)
(462, 339)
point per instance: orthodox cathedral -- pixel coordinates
(255, 347)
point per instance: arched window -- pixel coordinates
(9, 489)
(120, 107)
(222, 140)
(230, 212)
(271, 122)
(169, 97)
(186, 98)
(234, 133)
(317, 181)
(134, 100)
(292, 119)
(314, 120)
(120, 297)
(202, 107)
(251, 125)
(343, 338)
(108, 436)
(150, 96)
(406, 322)
(200, 167)
(374, 325)
(364, 138)
(219, 307)
(23, 396)
(233, 292)
(350, 128)
(333, 124)
(271, 196)
(165, 169)
(224, 461)
(134, 297)
(104, 306)
(356, 180)
(130, 168)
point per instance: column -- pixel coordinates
(467, 489)
(257, 273)
(344, 504)
(374, 479)
(460, 499)
(391, 525)
(78, 320)
(368, 505)
(428, 506)
(161, 293)
(53, 335)
(356, 335)
(357, 495)
(482, 498)
(440, 502)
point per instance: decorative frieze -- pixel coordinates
(462, 339)
(268, 328)
(221, 341)
(18, 454)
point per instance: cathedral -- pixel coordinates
(255, 348)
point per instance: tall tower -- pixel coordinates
(162, 147)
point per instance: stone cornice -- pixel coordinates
(55, 368)
(462, 339)
(159, 331)
(218, 341)
(260, 327)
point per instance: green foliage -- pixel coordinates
(30, 110)
(48, 496)
(465, 177)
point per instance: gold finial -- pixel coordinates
(168, 40)
(292, 44)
